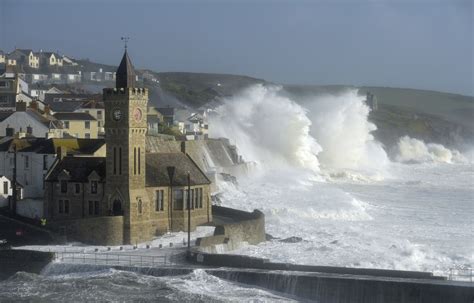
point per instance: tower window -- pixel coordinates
(134, 160)
(120, 160)
(140, 206)
(115, 161)
(139, 161)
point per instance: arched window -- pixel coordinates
(140, 206)
(120, 160)
(139, 161)
(117, 208)
(115, 161)
(134, 160)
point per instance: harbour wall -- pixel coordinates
(234, 228)
(314, 287)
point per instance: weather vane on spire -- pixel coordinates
(125, 40)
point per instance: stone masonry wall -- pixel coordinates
(97, 230)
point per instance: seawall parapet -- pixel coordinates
(234, 228)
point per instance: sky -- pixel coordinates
(424, 44)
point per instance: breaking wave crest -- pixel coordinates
(411, 150)
(331, 132)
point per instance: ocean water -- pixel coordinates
(122, 286)
(419, 218)
(320, 175)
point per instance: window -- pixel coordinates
(87, 135)
(3, 84)
(178, 195)
(91, 207)
(87, 124)
(64, 186)
(190, 199)
(200, 197)
(10, 131)
(45, 162)
(115, 160)
(94, 187)
(134, 160)
(29, 130)
(120, 160)
(77, 188)
(66, 206)
(61, 206)
(159, 200)
(196, 194)
(66, 124)
(96, 207)
(139, 172)
(27, 162)
(140, 206)
(5, 187)
(99, 114)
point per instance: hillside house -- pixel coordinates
(25, 57)
(35, 156)
(13, 89)
(78, 124)
(50, 59)
(29, 123)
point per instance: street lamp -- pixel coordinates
(189, 212)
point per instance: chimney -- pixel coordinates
(21, 106)
(61, 152)
(34, 105)
(183, 147)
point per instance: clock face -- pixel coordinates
(137, 114)
(117, 114)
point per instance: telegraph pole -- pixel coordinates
(14, 193)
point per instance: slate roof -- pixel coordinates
(166, 111)
(50, 122)
(50, 146)
(125, 75)
(67, 106)
(51, 98)
(74, 116)
(157, 174)
(79, 168)
(5, 114)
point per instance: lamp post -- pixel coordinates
(189, 212)
(171, 170)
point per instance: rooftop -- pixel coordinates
(74, 116)
(79, 168)
(157, 173)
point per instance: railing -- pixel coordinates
(116, 259)
(464, 274)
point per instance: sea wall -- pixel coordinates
(14, 260)
(235, 229)
(337, 288)
(107, 230)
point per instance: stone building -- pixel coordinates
(127, 196)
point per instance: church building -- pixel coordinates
(131, 195)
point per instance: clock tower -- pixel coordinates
(125, 133)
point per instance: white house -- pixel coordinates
(29, 123)
(35, 156)
(5, 190)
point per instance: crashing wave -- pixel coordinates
(411, 150)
